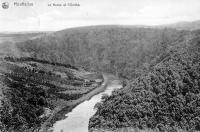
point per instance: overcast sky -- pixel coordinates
(40, 17)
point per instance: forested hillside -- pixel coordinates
(188, 25)
(160, 68)
(114, 49)
(165, 99)
(35, 90)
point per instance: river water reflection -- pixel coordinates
(78, 119)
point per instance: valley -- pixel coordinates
(51, 75)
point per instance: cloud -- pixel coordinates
(148, 12)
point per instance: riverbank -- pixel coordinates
(78, 119)
(60, 112)
(44, 89)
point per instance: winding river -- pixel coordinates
(78, 119)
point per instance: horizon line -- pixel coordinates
(136, 25)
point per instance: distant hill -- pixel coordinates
(194, 25)
(8, 40)
(112, 48)
(18, 37)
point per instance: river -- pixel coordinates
(78, 119)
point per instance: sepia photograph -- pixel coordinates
(100, 66)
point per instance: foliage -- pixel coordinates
(113, 49)
(167, 98)
(33, 85)
(162, 66)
